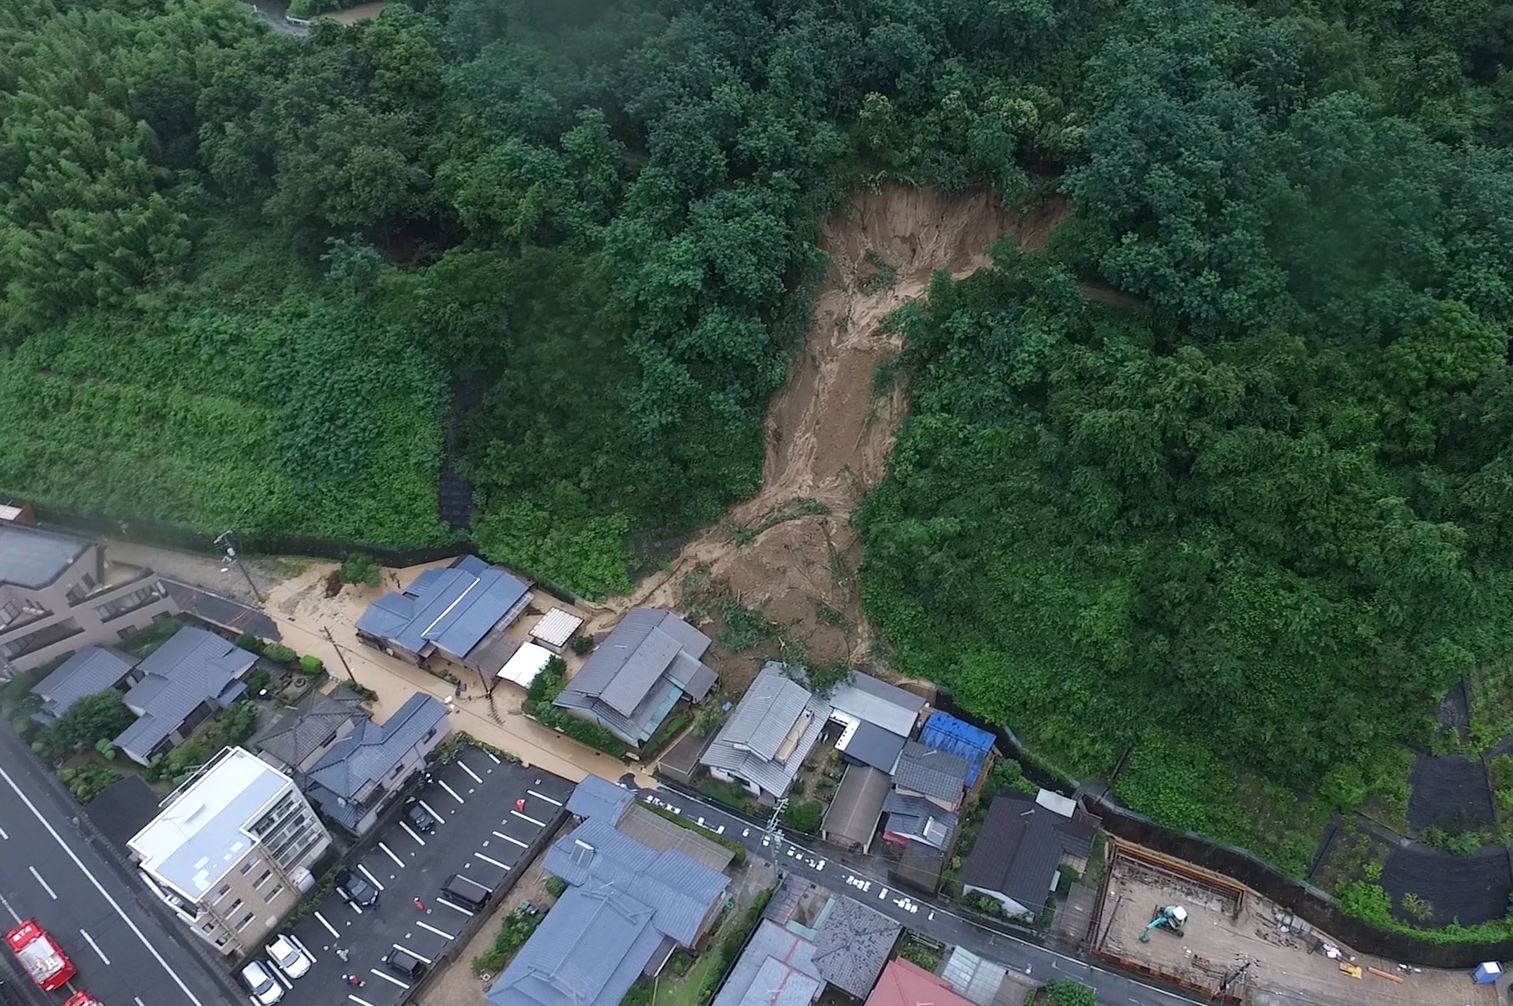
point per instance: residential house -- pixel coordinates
(59, 593)
(627, 908)
(915, 819)
(600, 800)
(981, 981)
(456, 618)
(973, 745)
(851, 941)
(361, 772)
(297, 741)
(91, 670)
(635, 677)
(183, 681)
(1023, 843)
(231, 850)
(937, 776)
(851, 819)
(904, 983)
(775, 969)
(876, 718)
(768, 736)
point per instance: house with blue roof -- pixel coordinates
(364, 769)
(973, 745)
(458, 614)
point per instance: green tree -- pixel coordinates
(361, 568)
(94, 718)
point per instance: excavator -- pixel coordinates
(1172, 917)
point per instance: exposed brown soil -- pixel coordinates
(790, 552)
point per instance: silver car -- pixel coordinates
(265, 989)
(289, 955)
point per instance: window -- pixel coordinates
(9, 612)
(273, 893)
(247, 921)
(225, 890)
(263, 879)
(220, 941)
(429, 734)
(208, 927)
(247, 867)
(234, 906)
(397, 769)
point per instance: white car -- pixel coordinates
(265, 989)
(290, 955)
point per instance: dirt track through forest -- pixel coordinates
(828, 432)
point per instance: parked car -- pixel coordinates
(404, 962)
(265, 990)
(356, 890)
(469, 892)
(417, 817)
(290, 955)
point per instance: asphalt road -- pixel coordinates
(49, 872)
(934, 918)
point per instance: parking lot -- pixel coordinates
(480, 834)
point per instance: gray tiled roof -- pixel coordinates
(933, 773)
(623, 902)
(194, 666)
(451, 608)
(370, 752)
(599, 799)
(630, 678)
(852, 946)
(33, 558)
(92, 669)
(917, 818)
(857, 805)
(776, 969)
(300, 732)
(773, 709)
(1019, 847)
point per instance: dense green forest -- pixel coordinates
(1240, 537)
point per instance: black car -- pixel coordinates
(405, 963)
(356, 890)
(417, 817)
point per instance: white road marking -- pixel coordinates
(329, 928)
(353, 905)
(138, 1000)
(8, 908)
(99, 887)
(91, 941)
(500, 834)
(370, 876)
(407, 950)
(525, 817)
(50, 892)
(496, 762)
(360, 1002)
(443, 784)
(4, 835)
(412, 834)
(392, 981)
(433, 929)
(390, 853)
(278, 974)
(455, 908)
(543, 796)
(464, 766)
(490, 859)
(432, 811)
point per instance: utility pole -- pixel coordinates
(339, 655)
(228, 542)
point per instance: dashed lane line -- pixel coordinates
(491, 757)
(370, 876)
(464, 766)
(50, 892)
(357, 999)
(407, 950)
(432, 811)
(392, 981)
(455, 908)
(91, 941)
(412, 834)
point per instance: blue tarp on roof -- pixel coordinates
(945, 732)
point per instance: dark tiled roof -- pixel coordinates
(300, 732)
(1019, 847)
(194, 666)
(852, 946)
(370, 752)
(933, 773)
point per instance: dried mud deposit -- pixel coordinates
(790, 553)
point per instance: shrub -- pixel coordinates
(513, 932)
(258, 681)
(1064, 992)
(88, 781)
(311, 665)
(556, 886)
(1344, 787)
(251, 643)
(360, 568)
(106, 748)
(583, 645)
(804, 817)
(279, 653)
(97, 717)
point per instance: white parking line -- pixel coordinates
(390, 853)
(464, 766)
(370, 876)
(91, 941)
(360, 1002)
(412, 953)
(99, 887)
(329, 928)
(539, 824)
(412, 834)
(543, 796)
(443, 784)
(49, 890)
(491, 757)
(392, 981)
(500, 834)
(455, 908)
(432, 811)
(433, 929)
(354, 906)
(490, 859)
(278, 973)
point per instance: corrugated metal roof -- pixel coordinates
(91, 670)
(775, 969)
(33, 558)
(877, 702)
(933, 773)
(526, 664)
(973, 977)
(556, 627)
(192, 667)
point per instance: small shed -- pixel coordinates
(526, 664)
(555, 628)
(972, 745)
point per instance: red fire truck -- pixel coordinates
(42, 958)
(83, 999)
